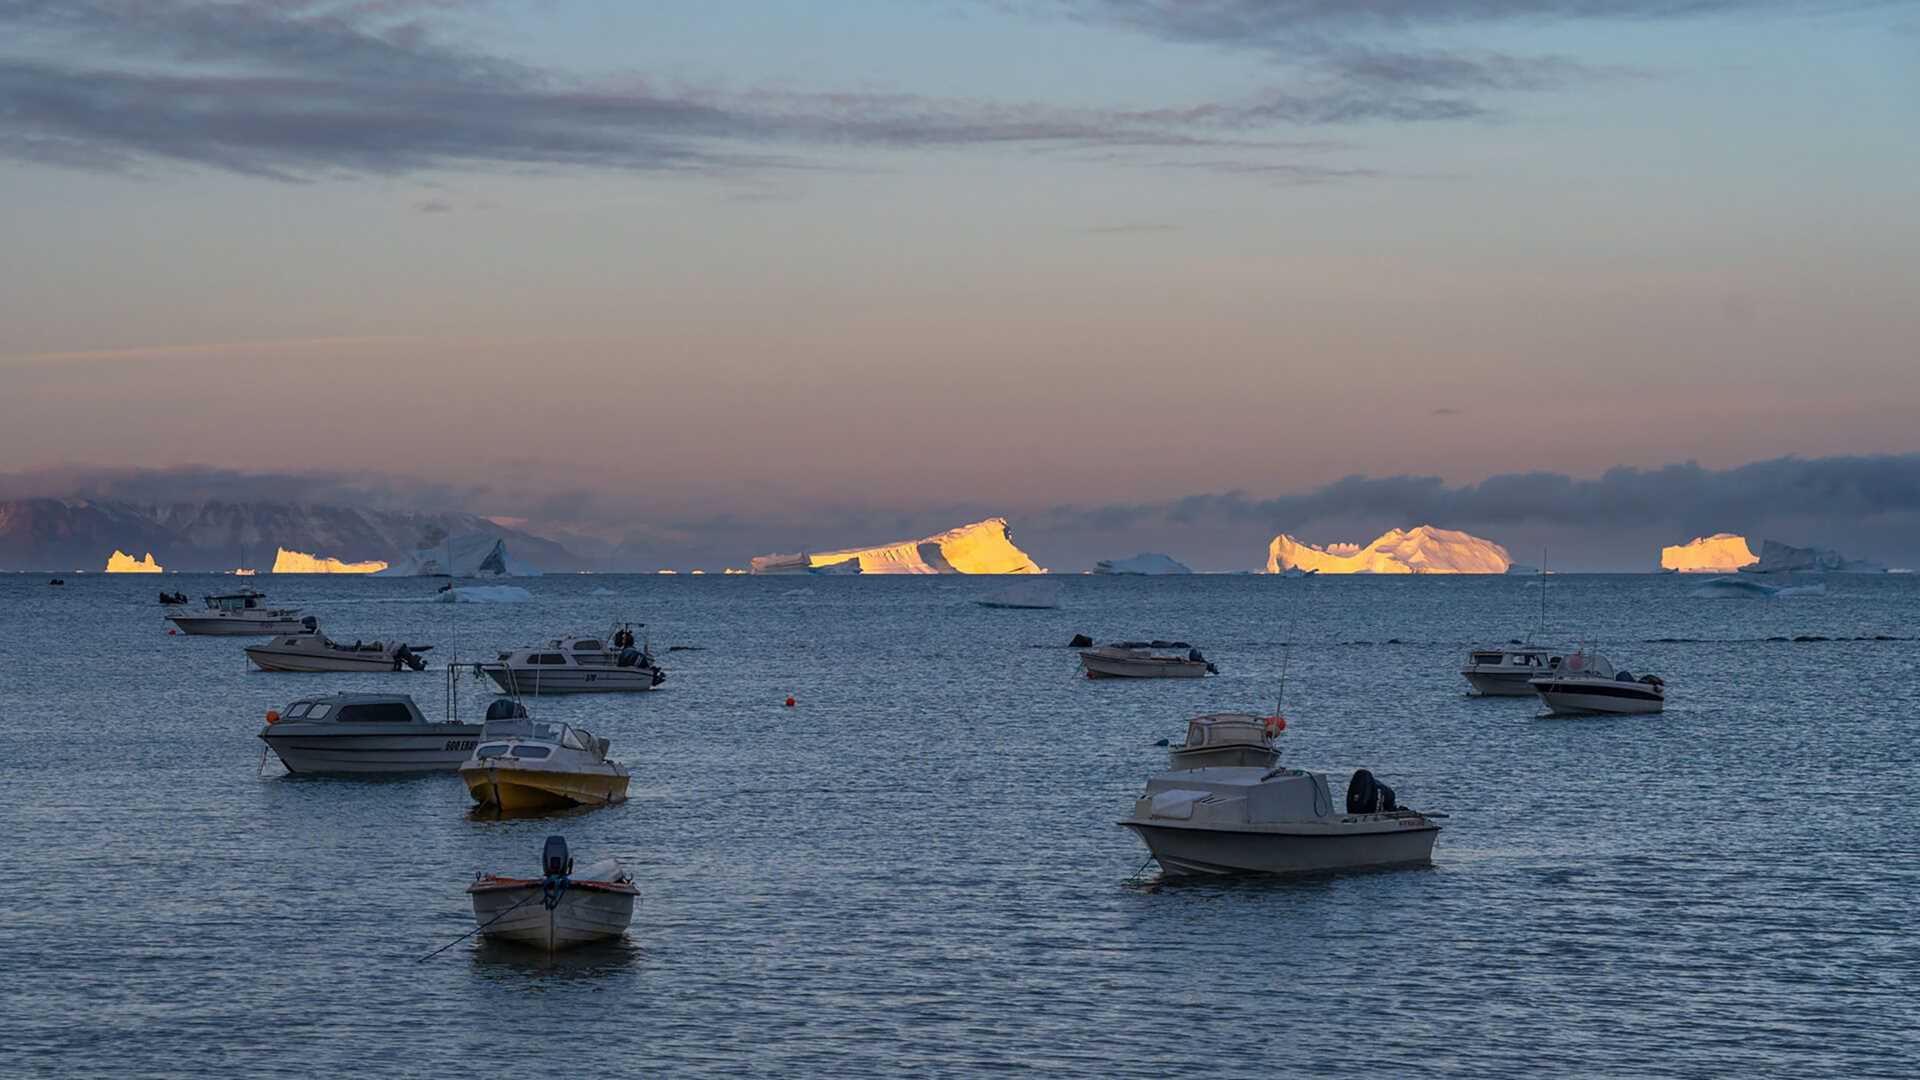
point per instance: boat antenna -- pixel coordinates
(1540, 628)
(1286, 653)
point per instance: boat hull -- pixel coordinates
(267, 659)
(328, 751)
(1190, 851)
(1500, 684)
(585, 914)
(1217, 757)
(1110, 667)
(213, 626)
(512, 788)
(570, 680)
(1574, 699)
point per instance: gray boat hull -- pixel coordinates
(583, 915)
(1184, 851)
(373, 748)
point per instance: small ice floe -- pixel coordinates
(484, 594)
(1746, 588)
(1036, 593)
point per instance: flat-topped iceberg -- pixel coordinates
(1721, 553)
(1421, 550)
(984, 547)
(472, 555)
(1147, 562)
(1779, 558)
(299, 562)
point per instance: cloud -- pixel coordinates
(304, 89)
(1683, 496)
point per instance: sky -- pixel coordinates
(710, 279)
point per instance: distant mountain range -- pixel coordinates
(80, 534)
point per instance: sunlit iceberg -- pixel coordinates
(984, 547)
(1147, 562)
(299, 562)
(1721, 553)
(472, 555)
(1422, 550)
(122, 563)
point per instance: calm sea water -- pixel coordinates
(917, 869)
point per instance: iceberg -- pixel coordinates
(472, 555)
(1721, 553)
(1147, 562)
(299, 562)
(1036, 593)
(984, 547)
(1421, 550)
(1779, 558)
(483, 594)
(122, 563)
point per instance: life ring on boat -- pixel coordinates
(1274, 724)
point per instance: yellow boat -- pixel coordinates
(520, 764)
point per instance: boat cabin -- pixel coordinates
(354, 709)
(244, 600)
(1524, 658)
(522, 738)
(575, 652)
(1227, 729)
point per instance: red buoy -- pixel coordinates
(790, 701)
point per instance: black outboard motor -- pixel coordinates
(1080, 641)
(310, 624)
(1366, 795)
(405, 655)
(555, 860)
(506, 709)
(658, 677)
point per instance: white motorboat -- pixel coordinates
(520, 764)
(365, 733)
(1275, 821)
(240, 614)
(560, 909)
(1507, 670)
(1145, 660)
(579, 665)
(1589, 683)
(314, 651)
(1230, 740)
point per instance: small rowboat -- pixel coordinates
(559, 910)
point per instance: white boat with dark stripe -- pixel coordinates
(239, 614)
(366, 733)
(1588, 683)
(1145, 660)
(313, 651)
(579, 665)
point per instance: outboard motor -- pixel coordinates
(556, 863)
(658, 677)
(555, 859)
(1080, 641)
(506, 709)
(1366, 795)
(310, 624)
(405, 655)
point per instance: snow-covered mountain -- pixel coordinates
(1421, 550)
(984, 547)
(1721, 553)
(63, 534)
(1779, 558)
(1147, 562)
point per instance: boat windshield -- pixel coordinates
(1590, 664)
